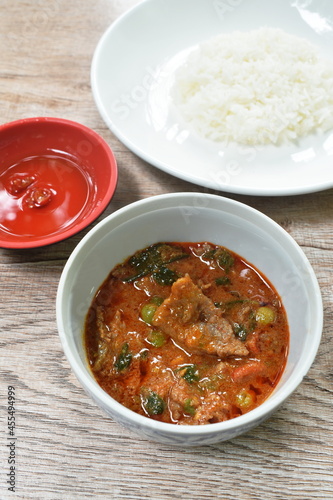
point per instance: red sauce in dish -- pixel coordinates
(41, 195)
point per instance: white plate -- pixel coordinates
(133, 69)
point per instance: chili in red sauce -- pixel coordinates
(42, 195)
(187, 333)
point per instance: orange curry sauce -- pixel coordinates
(187, 333)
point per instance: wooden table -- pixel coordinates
(66, 448)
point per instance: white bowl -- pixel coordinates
(192, 217)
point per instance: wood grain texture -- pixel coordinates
(66, 447)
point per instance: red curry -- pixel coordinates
(187, 333)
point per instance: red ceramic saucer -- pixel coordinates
(56, 177)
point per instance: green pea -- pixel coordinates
(147, 312)
(265, 315)
(244, 399)
(156, 338)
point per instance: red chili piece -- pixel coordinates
(39, 197)
(19, 184)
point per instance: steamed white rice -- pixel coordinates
(259, 87)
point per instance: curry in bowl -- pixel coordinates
(187, 333)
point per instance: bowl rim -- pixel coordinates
(253, 417)
(97, 209)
